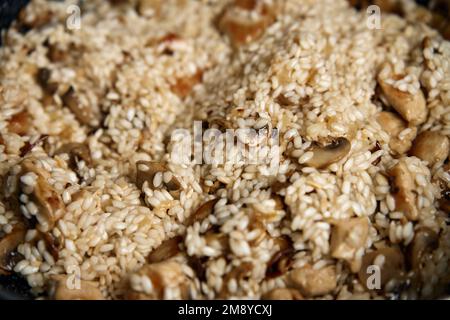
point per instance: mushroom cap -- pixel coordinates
(323, 156)
(411, 107)
(431, 146)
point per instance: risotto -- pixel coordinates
(349, 197)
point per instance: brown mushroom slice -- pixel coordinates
(89, 115)
(8, 244)
(202, 212)
(347, 237)
(52, 244)
(431, 146)
(161, 275)
(43, 78)
(278, 186)
(166, 250)
(63, 287)
(389, 260)
(283, 242)
(393, 125)
(312, 282)
(424, 242)
(242, 31)
(183, 86)
(280, 262)
(402, 188)
(146, 170)
(49, 202)
(198, 265)
(28, 147)
(411, 107)
(257, 222)
(323, 156)
(77, 152)
(19, 123)
(45, 197)
(282, 294)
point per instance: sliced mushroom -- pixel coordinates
(43, 78)
(183, 86)
(28, 146)
(49, 202)
(166, 250)
(278, 186)
(390, 262)
(19, 123)
(198, 265)
(8, 244)
(347, 237)
(424, 242)
(242, 30)
(282, 294)
(393, 125)
(161, 275)
(52, 244)
(411, 107)
(146, 170)
(257, 222)
(403, 190)
(283, 242)
(77, 152)
(323, 156)
(431, 146)
(312, 282)
(45, 197)
(280, 263)
(89, 115)
(64, 287)
(202, 212)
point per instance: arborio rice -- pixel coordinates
(356, 207)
